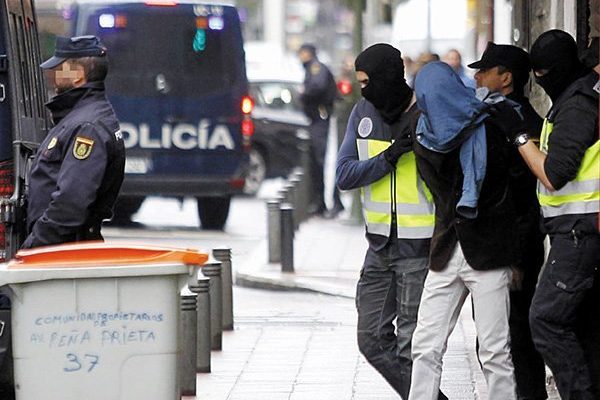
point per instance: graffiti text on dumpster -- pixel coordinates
(76, 363)
(83, 336)
(96, 328)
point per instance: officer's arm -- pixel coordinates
(573, 133)
(78, 181)
(575, 130)
(351, 173)
(535, 159)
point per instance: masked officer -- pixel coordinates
(79, 167)
(376, 156)
(505, 69)
(567, 165)
(317, 98)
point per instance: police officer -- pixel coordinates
(79, 167)
(567, 165)
(317, 99)
(376, 156)
(505, 69)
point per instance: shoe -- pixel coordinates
(316, 210)
(333, 213)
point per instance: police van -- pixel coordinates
(23, 125)
(23, 118)
(177, 81)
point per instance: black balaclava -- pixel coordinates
(387, 89)
(556, 51)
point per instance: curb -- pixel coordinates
(256, 281)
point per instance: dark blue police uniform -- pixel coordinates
(79, 167)
(317, 99)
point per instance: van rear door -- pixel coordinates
(177, 78)
(22, 115)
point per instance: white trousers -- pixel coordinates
(442, 300)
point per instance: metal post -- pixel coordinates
(302, 191)
(187, 356)
(223, 254)
(273, 228)
(304, 146)
(213, 271)
(287, 238)
(295, 180)
(291, 189)
(201, 288)
(284, 193)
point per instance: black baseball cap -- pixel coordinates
(311, 48)
(511, 57)
(75, 47)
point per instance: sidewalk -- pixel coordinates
(328, 255)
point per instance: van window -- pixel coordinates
(194, 59)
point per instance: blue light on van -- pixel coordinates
(216, 23)
(199, 40)
(106, 21)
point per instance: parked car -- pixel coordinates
(278, 119)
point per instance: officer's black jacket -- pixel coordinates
(319, 89)
(524, 189)
(78, 170)
(575, 119)
(487, 241)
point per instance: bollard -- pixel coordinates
(187, 355)
(287, 238)
(273, 229)
(304, 147)
(291, 188)
(284, 193)
(295, 180)
(223, 254)
(201, 289)
(302, 194)
(213, 271)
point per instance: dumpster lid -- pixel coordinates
(101, 254)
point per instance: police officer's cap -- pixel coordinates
(511, 57)
(75, 47)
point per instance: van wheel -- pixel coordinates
(213, 212)
(125, 207)
(257, 170)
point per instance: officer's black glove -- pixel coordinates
(400, 146)
(508, 119)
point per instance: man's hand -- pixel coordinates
(516, 283)
(399, 147)
(508, 119)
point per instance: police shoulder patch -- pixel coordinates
(315, 68)
(82, 147)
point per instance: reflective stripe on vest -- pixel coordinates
(579, 196)
(414, 203)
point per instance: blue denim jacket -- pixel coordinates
(452, 116)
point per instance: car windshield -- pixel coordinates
(276, 95)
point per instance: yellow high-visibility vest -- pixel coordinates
(579, 196)
(402, 190)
